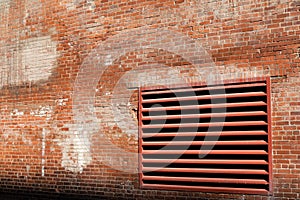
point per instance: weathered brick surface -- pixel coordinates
(51, 57)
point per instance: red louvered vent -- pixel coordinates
(206, 138)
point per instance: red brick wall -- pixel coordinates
(68, 128)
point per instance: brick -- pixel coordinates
(45, 44)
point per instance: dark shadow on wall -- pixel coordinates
(46, 196)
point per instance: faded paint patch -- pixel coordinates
(150, 74)
(24, 60)
(4, 10)
(29, 61)
(76, 143)
(12, 136)
(39, 58)
(76, 153)
(231, 72)
(72, 4)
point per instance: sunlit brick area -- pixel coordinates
(150, 99)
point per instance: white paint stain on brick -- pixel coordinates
(70, 4)
(43, 111)
(62, 101)
(16, 112)
(91, 4)
(43, 151)
(108, 60)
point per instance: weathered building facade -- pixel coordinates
(70, 77)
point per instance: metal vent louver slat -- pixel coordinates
(206, 138)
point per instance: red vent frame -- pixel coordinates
(235, 125)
